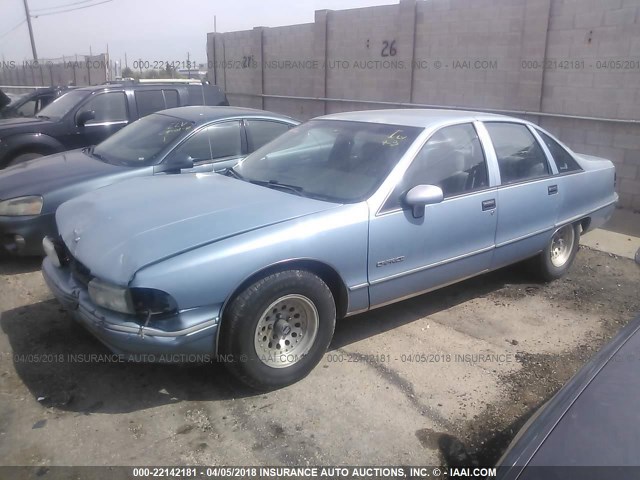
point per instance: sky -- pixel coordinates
(150, 30)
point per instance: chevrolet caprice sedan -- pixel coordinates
(343, 214)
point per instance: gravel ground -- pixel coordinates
(416, 383)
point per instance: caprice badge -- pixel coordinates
(389, 261)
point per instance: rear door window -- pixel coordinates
(171, 98)
(149, 101)
(261, 132)
(215, 142)
(520, 156)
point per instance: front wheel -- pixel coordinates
(555, 260)
(276, 331)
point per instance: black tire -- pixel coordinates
(240, 334)
(24, 157)
(549, 269)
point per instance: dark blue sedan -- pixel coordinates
(591, 428)
(180, 140)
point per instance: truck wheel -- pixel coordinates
(276, 331)
(24, 157)
(555, 260)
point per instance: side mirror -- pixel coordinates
(84, 116)
(421, 195)
(176, 162)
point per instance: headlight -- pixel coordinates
(21, 206)
(149, 301)
(111, 297)
(142, 302)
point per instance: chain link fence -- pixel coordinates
(80, 70)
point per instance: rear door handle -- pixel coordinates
(488, 204)
(552, 189)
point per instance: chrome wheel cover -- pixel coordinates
(562, 245)
(286, 331)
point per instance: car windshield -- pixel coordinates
(142, 142)
(338, 161)
(63, 104)
(15, 99)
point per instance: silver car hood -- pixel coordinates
(117, 230)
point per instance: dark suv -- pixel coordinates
(86, 116)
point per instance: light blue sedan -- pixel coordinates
(343, 214)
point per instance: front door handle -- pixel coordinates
(553, 189)
(488, 204)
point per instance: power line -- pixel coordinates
(70, 9)
(11, 30)
(60, 6)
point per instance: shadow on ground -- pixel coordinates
(10, 265)
(51, 354)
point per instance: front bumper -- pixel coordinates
(125, 337)
(23, 235)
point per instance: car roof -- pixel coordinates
(150, 86)
(416, 117)
(204, 113)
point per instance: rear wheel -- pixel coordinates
(555, 260)
(276, 331)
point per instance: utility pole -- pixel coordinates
(215, 66)
(33, 43)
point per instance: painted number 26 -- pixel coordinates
(389, 48)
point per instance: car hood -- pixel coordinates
(10, 126)
(46, 174)
(117, 230)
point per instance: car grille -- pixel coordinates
(80, 273)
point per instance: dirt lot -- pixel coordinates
(408, 384)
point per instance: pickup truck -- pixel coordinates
(86, 116)
(29, 104)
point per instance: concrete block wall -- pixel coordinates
(589, 37)
(593, 55)
(239, 64)
(290, 66)
(360, 65)
(568, 57)
(469, 53)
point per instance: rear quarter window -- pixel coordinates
(564, 160)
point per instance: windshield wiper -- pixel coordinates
(281, 186)
(230, 171)
(91, 151)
